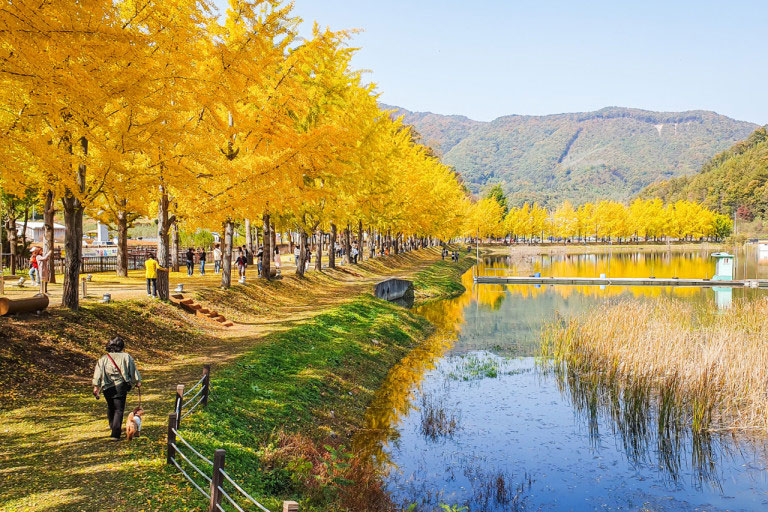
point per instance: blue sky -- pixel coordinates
(488, 58)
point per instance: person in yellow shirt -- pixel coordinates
(151, 267)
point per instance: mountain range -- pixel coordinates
(612, 153)
(734, 181)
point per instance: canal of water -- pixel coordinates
(470, 419)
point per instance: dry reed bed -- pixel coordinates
(715, 363)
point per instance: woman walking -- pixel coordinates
(260, 259)
(44, 268)
(34, 273)
(216, 259)
(190, 262)
(201, 259)
(241, 263)
(115, 374)
(277, 257)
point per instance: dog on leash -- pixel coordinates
(133, 426)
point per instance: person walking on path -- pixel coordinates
(34, 273)
(296, 255)
(216, 259)
(115, 374)
(241, 262)
(45, 269)
(260, 259)
(277, 257)
(151, 266)
(190, 262)
(201, 258)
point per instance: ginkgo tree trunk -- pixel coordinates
(332, 247)
(303, 248)
(226, 267)
(122, 243)
(347, 245)
(73, 241)
(49, 233)
(164, 222)
(360, 248)
(266, 261)
(175, 247)
(319, 252)
(249, 240)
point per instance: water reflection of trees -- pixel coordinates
(394, 399)
(451, 314)
(641, 264)
(651, 425)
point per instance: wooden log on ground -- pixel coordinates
(27, 305)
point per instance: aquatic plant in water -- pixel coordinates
(436, 419)
(497, 490)
(452, 508)
(672, 377)
(481, 365)
(716, 363)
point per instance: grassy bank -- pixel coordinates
(285, 411)
(713, 365)
(442, 279)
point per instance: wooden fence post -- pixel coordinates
(171, 438)
(217, 480)
(179, 404)
(206, 383)
(290, 506)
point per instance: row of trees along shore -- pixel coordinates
(642, 219)
(128, 109)
(140, 108)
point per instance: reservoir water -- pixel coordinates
(470, 419)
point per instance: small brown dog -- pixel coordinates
(133, 426)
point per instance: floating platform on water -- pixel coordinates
(621, 281)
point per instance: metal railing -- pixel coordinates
(215, 478)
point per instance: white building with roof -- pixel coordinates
(36, 231)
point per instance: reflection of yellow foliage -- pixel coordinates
(686, 266)
(393, 399)
(449, 314)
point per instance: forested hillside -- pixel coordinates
(735, 180)
(612, 153)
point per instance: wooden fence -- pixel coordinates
(212, 481)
